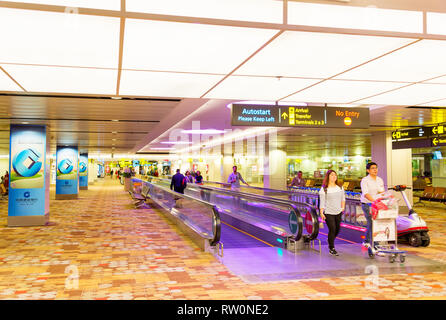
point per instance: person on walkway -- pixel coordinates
(332, 205)
(298, 181)
(111, 173)
(189, 178)
(235, 178)
(178, 182)
(198, 178)
(371, 188)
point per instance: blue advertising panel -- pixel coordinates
(67, 175)
(27, 156)
(83, 170)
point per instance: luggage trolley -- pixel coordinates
(384, 230)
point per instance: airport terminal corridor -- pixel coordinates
(100, 247)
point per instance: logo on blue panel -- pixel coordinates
(65, 166)
(82, 167)
(33, 165)
(27, 194)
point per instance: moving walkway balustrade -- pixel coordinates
(267, 209)
(200, 220)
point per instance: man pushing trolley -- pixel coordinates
(384, 234)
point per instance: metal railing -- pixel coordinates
(353, 213)
(273, 214)
(200, 217)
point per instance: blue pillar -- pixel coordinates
(83, 171)
(67, 173)
(28, 203)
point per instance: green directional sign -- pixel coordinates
(292, 221)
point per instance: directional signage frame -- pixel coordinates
(423, 132)
(438, 141)
(299, 116)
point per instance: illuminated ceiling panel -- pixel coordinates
(6, 84)
(187, 47)
(317, 55)
(258, 88)
(441, 80)
(64, 80)
(438, 103)
(436, 23)
(94, 4)
(420, 61)
(337, 91)
(351, 17)
(244, 10)
(166, 84)
(411, 95)
(48, 38)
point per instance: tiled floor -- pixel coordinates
(100, 247)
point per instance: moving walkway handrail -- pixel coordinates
(311, 215)
(269, 200)
(251, 187)
(216, 222)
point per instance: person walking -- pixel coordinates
(178, 182)
(371, 188)
(298, 181)
(235, 178)
(189, 178)
(332, 205)
(198, 178)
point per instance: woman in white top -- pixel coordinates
(332, 205)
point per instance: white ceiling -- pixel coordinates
(200, 50)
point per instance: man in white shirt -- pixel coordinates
(371, 188)
(234, 178)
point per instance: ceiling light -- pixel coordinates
(25, 122)
(50, 38)
(64, 80)
(6, 84)
(246, 10)
(94, 4)
(417, 62)
(335, 91)
(316, 55)
(353, 17)
(202, 49)
(262, 88)
(411, 95)
(166, 84)
(436, 23)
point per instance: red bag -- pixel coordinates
(376, 206)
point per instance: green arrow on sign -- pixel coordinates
(292, 222)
